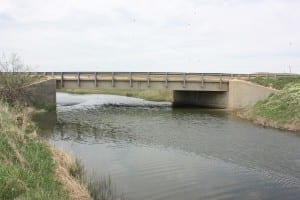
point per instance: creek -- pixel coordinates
(153, 151)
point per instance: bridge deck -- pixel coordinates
(151, 80)
(108, 76)
(172, 81)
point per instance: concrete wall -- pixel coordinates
(211, 99)
(42, 94)
(244, 94)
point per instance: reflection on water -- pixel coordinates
(152, 151)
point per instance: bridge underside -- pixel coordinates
(208, 99)
(208, 94)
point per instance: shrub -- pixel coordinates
(14, 77)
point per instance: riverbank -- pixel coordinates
(30, 168)
(280, 110)
(147, 94)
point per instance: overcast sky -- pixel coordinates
(235, 36)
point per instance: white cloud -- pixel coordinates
(157, 35)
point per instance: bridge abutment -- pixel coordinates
(240, 94)
(245, 94)
(42, 94)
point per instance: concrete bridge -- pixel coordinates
(196, 89)
(141, 80)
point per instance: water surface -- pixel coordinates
(153, 151)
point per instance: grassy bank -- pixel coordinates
(147, 94)
(278, 83)
(280, 110)
(31, 169)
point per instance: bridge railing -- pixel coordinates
(166, 78)
(233, 75)
(148, 77)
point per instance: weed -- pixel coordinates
(100, 188)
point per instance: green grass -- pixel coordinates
(147, 94)
(283, 106)
(278, 83)
(26, 164)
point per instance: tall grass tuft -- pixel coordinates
(100, 188)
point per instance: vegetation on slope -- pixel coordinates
(279, 110)
(278, 83)
(14, 77)
(27, 167)
(30, 168)
(147, 94)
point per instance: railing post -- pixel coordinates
(148, 79)
(184, 79)
(130, 79)
(221, 81)
(95, 79)
(52, 74)
(113, 79)
(78, 79)
(166, 80)
(202, 80)
(61, 80)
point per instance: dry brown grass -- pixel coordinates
(16, 133)
(64, 163)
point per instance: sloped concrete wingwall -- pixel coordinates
(42, 94)
(244, 94)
